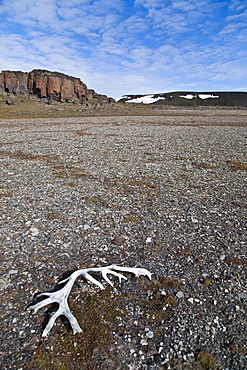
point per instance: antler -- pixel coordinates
(60, 296)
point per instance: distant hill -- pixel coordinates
(190, 98)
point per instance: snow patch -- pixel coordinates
(206, 96)
(147, 99)
(188, 96)
(201, 96)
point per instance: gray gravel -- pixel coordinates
(135, 191)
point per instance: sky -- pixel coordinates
(119, 47)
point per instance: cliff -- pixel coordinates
(49, 86)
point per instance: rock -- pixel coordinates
(13, 82)
(3, 283)
(13, 272)
(49, 86)
(34, 231)
(150, 334)
(9, 102)
(144, 342)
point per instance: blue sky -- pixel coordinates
(122, 47)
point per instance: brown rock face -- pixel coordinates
(49, 85)
(2, 87)
(14, 82)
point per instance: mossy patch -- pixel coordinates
(202, 165)
(180, 158)
(119, 240)
(169, 282)
(6, 194)
(234, 260)
(238, 348)
(154, 159)
(207, 360)
(59, 168)
(237, 166)
(72, 184)
(52, 216)
(82, 132)
(91, 199)
(207, 283)
(131, 218)
(97, 315)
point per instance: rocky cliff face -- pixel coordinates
(48, 86)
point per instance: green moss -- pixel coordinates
(170, 282)
(91, 199)
(154, 159)
(52, 216)
(203, 165)
(237, 166)
(206, 360)
(131, 218)
(207, 282)
(119, 240)
(96, 315)
(61, 175)
(82, 132)
(72, 184)
(5, 194)
(236, 261)
(180, 158)
(239, 348)
(159, 244)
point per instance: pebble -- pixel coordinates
(34, 231)
(242, 295)
(150, 334)
(144, 342)
(179, 294)
(13, 272)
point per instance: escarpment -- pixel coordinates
(49, 86)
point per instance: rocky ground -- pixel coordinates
(166, 193)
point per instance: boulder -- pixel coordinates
(9, 102)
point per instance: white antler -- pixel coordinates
(60, 296)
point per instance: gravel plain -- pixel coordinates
(166, 193)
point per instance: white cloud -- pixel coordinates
(154, 46)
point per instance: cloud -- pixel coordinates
(155, 45)
(176, 16)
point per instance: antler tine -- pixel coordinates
(108, 271)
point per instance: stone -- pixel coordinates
(9, 102)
